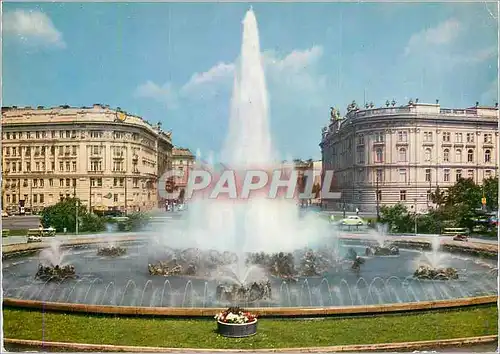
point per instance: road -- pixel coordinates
(21, 222)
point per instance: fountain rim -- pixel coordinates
(262, 311)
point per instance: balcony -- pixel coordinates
(92, 172)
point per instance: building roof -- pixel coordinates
(182, 152)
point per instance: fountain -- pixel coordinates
(383, 248)
(255, 251)
(433, 267)
(51, 266)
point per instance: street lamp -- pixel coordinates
(377, 192)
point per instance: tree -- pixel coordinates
(464, 192)
(397, 217)
(490, 189)
(438, 197)
(63, 215)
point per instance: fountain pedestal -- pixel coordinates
(240, 293)
(55, 273)
(428, 272)
(237, 330)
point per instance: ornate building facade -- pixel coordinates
(107, 158)
(384, 156)
(183, 161)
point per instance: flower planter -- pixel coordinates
(237, 330)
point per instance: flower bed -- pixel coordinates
(236, 323)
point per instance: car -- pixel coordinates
(352, 220)
(460, 238)
(34, 239)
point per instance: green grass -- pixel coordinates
(271, 333)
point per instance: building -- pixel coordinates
(107, 158)
(401, 154)
(182, 161)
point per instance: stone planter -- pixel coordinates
(237, 330)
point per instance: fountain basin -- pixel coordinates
(237, 330)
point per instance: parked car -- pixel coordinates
(461, 238)
(352, 220)
(34, 238)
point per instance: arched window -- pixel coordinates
(446, 155)
(402, 155)
(379, 155)
(427, 154)
(458, 155)
(487, 156)
(470, 155)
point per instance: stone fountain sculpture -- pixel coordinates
(55, 273)
(385, 250)
(236, 293)
(111, 251)
(428, 272)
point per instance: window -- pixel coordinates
(379, 137)
(95, 166)
(487, 174)
(487, 156)
(35, 198)
(42, 183)
(488, 138)
(360, 153)
(446, 155)
(458, 175)
(67, 182)
(470, 174)
(99, 182)
(35, 183)
(28, 166)
(37, 166)
(52, 166)
(402, 176)
(115, 198)
(135, 182)
(51, 182)
(458, 155)
(470, 155)
(61, 182)
(73, 152)
(402, 136)
(402, 155)
(427, 174)
(74, 182)
(470, 137)
(73, 165)
(428, 153)
(42, 199)
(429, 195)
(428, 136)
(115, 182)
(379, 155)
(446, 137)
(379, 195)
(67, 166)
(61, 166)
(458, 137)
(379, 175)
(446, 175)
(402, 195)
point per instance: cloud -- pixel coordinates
(218, 72)
(33, 28)
(165, 93)
(443, 34)
(291, 72)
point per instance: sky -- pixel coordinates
(174, 62)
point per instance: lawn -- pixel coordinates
(272, 333)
